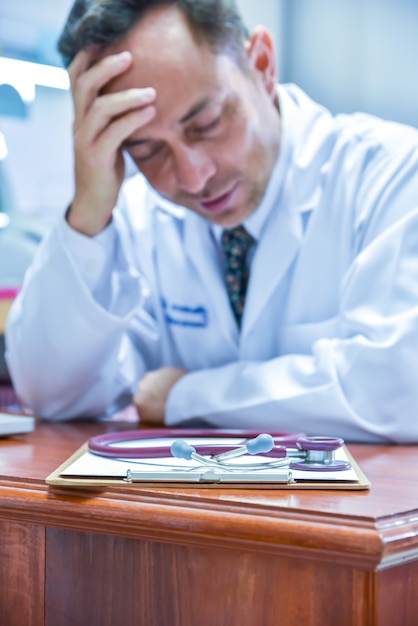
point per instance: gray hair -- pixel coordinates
(105, 22)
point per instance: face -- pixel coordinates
(214, 140)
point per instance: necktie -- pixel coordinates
(235, 243)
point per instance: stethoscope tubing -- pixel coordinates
(110, 445)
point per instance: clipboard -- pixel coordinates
(85, 469)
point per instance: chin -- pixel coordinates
(228, 219)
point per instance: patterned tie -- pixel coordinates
(236, 243)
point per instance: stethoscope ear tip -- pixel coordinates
(180, 449)
(262, 443)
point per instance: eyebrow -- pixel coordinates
(195, 110)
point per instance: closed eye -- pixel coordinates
(149, 154)
(198, 132)
(211, 125)
(208, 127)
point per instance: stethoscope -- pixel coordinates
(293, 450)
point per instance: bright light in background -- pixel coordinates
(24, 75)
(3, 147)
(4, 220)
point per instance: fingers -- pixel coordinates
(87, 80)
(117, 132)
(95, 112)
(81, 63)
(110, 107)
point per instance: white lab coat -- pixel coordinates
(329, 338)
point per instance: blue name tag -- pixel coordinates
(184, 315)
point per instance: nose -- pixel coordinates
(193, 168)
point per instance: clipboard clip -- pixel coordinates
(211, 476)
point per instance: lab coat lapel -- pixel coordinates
(272, 260)
(202, 253)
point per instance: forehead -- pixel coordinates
(166, 55)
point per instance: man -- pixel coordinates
(127, 296)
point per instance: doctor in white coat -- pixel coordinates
(126, 298)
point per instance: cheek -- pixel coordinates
(249, 147)
(239, 143)
(259, 137)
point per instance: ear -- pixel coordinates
(262, 58)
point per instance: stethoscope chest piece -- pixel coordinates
(319, 455)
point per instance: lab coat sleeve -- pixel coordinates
(362, 385)
(69, 332)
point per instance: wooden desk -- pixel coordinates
(204, 557)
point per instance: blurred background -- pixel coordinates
(350, 55)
